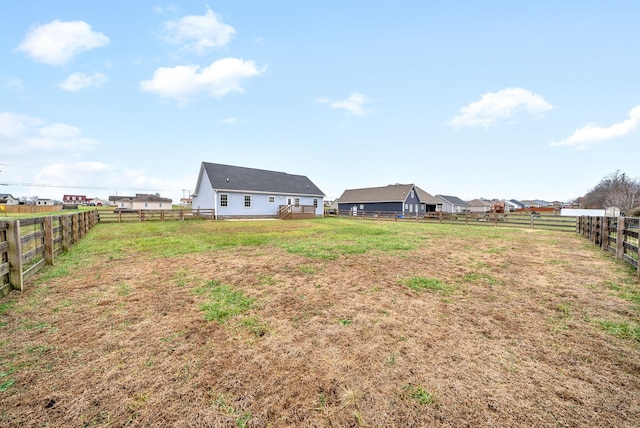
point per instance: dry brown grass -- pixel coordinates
(513, 343)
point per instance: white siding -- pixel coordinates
(206, 197)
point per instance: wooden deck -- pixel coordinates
(293, 212)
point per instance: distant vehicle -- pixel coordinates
(125, 211)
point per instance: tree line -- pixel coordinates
(615, 190)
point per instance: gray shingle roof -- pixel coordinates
(390, 193)
(454, 200)
(241, 179)
(140, 197)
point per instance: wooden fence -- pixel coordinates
(30, 209)
(27, 245)
(109, 216)
(618, 236)
(526, 220)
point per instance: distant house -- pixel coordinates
(7, 199)
(535, 203)
(479, 206)
(514, 205)
(43, 201)
(407, 199)
(75, 199)
(452, 204)
(141, 201)
(98, 202)
(239, 192)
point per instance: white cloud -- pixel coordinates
(503, 104)
(590, 134)
(57, 42)
(354, 104)
(199, 33)
(21, 134)
(15, 126)
(185, 82)
(78, 81)
(229, 121)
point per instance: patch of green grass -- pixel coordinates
(255, 326)
(123, 289)
(628, 292)
(419, 283)
(419, 394)
(556, 262)
(622, 329)
(221, 402)
(223, 301)
(309, 270)
(476, 277)
(4, 386)
(4, 308)
(266, 280)
(33, 325)
(345, 322)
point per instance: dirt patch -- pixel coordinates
(512, 342)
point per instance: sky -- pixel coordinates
(475, 99)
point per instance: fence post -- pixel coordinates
(620, 238)
(530, 221)
(604, 240)
(74, 228)
(48, 240)
(16, 278)
(65, 233)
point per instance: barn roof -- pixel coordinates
(390, 193)
(241, 179)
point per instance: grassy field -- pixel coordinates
(327, 322)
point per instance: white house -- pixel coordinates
(452, 204)
(239, 192)
(7, 199)
(480, 206)
(141, 201)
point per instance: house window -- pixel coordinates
(224, 200)
(315, 203)
(361, 206)
(272, 199)
(247, 201)
(160, 204)
(412, 194)
(297, 202)
(146, 205)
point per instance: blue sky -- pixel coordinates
(494, 99)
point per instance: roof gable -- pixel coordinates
(241, 179)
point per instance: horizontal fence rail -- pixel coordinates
(123, 216)
(526, 220)
(619, 236)
(27, 245)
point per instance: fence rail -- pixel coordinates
(27, 245)
(520, 220)
(619, 236)
(111, 216)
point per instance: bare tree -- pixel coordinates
(615, 190)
